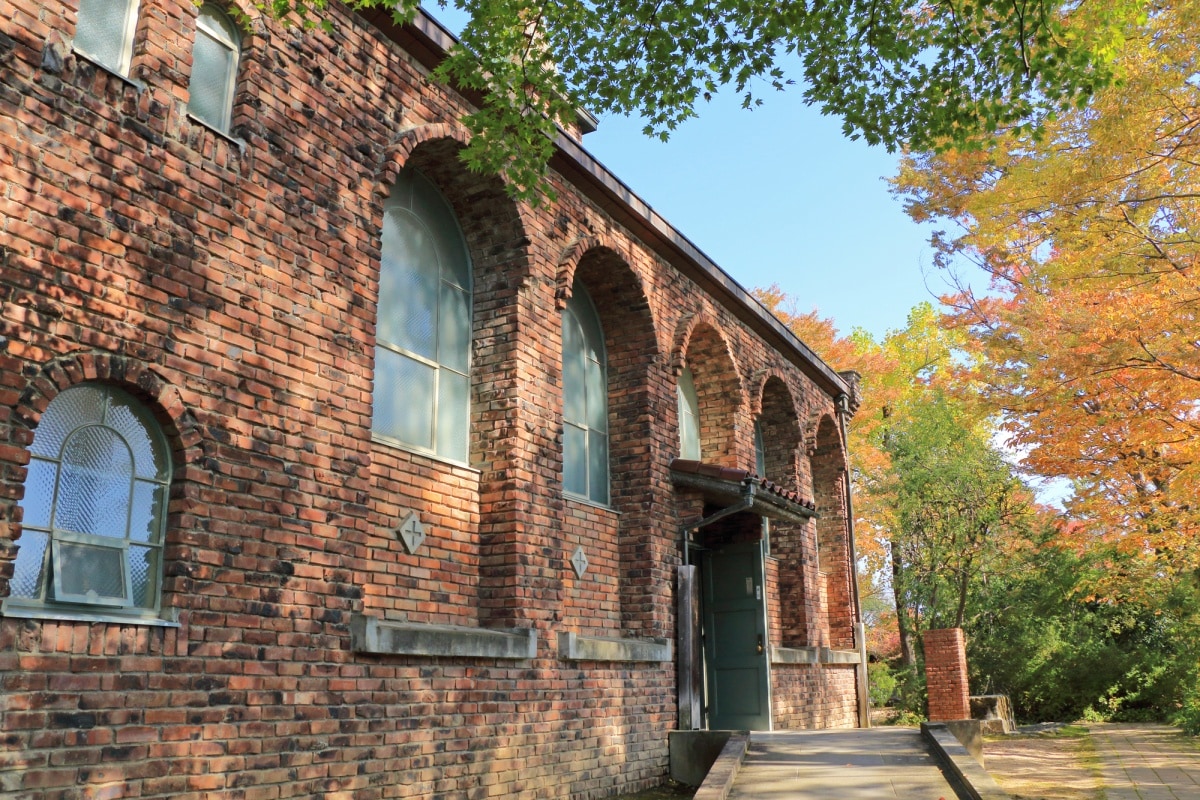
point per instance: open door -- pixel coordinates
(735, 638)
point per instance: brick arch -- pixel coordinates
(494, 228)
(396, 156)
(577, 250)
(632, 349)
(164, 400)
(701, 346)
(782, 436)
(829, 467)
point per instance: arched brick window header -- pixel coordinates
(162, 399)
(130, 374)
(781, 435)
(703, 349)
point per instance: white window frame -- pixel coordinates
(760, 466)
(213, 22)
(125, 55)
(52, 599)
(407, 205)
(580, 311)
(689, 414)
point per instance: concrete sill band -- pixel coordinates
(573, 647)
(813, 655)
(380, 637)
(958, 761)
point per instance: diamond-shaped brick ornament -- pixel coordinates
(579, 561)
(412, 532)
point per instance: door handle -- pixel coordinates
(760, 644)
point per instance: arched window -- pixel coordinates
(689, 416)
(423, 331)
(760, 468)
(760, 450)
(95, 505)
(214, 68)
(104, 32)
(585, 401)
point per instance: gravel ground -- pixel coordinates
(1054, 764)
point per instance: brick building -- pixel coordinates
(326, 469)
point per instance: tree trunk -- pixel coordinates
(903, 623)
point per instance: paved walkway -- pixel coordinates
(1146, 762)
(873, 764)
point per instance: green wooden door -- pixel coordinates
(735, 639)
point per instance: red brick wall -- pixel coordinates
(829, 471)
(946, 674)
(233, 289)
(813, 696)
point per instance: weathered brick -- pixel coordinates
(233, 289)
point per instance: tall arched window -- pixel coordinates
(689, 416)
(214, 68)
(585, 400)
(104, 32)
(95, 505)
(423, 331)
(760, 450)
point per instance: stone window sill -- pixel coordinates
(16, 611)
(813, 655)
(573, 647)
(382, 637)
(240, 144)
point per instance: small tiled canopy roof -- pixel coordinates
(727, 485)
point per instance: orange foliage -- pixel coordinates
(1090, 328)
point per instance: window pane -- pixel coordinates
(446, 236)
(454, 329)
(89, 571)
(408, 285)
(403, 398)
(598, 467)
(143, 575)
(760, 451)
(213, 66)
(149, 506)
(94, 485)
(574, 379)
(453, 403)
(689, 423)
(575, 460)
(39, 493)
(30, 565)
(597, 397)
(102, 31)
(134, 423)
(76, 406)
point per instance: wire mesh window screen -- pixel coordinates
(104, 32)
(94, 508)
(214, 68)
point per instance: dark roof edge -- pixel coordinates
(636, 213)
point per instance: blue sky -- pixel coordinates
(779, 195)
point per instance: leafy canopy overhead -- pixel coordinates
(898, 72)
(1089, 331)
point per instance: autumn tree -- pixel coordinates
(1090, 238)
(935, 502)
(895, 71)
(959, 512)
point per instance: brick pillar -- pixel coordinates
(946, 674)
